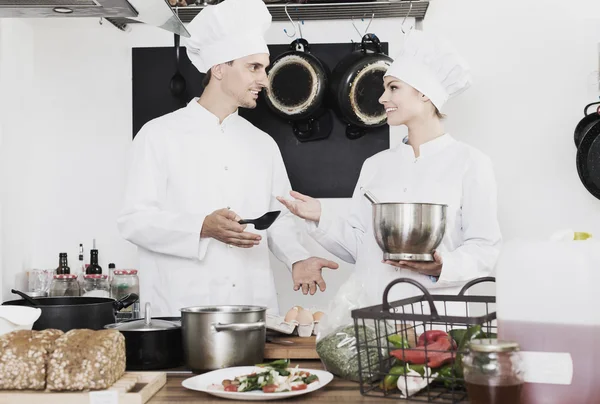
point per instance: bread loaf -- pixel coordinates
(23, 358)
(86, 360)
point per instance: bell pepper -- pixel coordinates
(435, 361)
(431, 336)
(447, 376)
(471, 333)
(390, 381)
(419, 356)
(398, 341)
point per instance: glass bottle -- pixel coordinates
(63, 265)
(93, 268)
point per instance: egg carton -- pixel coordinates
(278, 323)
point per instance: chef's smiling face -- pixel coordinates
(402, 102)
(245, 78)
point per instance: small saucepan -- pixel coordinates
(152, 343)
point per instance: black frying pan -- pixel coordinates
(586, 122)
(588, 160)
(357, 84)
(298, 83)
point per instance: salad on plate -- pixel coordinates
(273, 377)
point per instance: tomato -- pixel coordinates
(302, 386)
(231, 387)
(269, 388)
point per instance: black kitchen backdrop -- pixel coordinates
(326, 168)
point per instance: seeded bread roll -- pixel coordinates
(23, 358)
(86, 360)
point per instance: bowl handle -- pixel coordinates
(386, 304)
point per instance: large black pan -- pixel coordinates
(586, 122)
(297, 90)
(68, 313)
(357, 85)
(588, 160)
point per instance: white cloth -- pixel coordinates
(184, 166)
(447, 172)
(227, 31)
(431, 66)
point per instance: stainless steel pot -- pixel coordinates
(216, 337)
(409, 231)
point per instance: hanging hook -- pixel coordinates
(293, 24)
(405, 17)
(370, 21)
(362, 19)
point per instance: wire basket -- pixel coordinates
(412, 349)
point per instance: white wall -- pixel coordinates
(65, 92)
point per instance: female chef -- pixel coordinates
(430, 166)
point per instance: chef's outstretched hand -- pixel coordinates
(223, 225)
(307, 275)
(426, 268)
(303, 206)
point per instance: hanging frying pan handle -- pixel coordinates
(475, 282)
(585, 110)
(125, 301)
(300, 45)
(386, 305)
(372, 43)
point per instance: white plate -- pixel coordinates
(203, 382)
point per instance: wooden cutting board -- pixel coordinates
(132, 388)
(301, 348)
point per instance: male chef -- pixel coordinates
(194, 172)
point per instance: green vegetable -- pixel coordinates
(458, 335)
(471, 333)
(338, 352)
(310, 379)
(391, 380)
(397, 341)
(448, 377)
(278, 364)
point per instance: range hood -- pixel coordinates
(153, 12)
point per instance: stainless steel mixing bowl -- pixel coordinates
(409, 231)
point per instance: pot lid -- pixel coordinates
(147, 324)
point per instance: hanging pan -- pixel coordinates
(586, 122)
(296, 92)
(357, 85)
(588, 159)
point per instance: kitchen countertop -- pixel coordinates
(337, 391)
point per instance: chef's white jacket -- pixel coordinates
(184, 166)
(447, 172)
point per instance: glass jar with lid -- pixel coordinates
(124, 282)
(96, 286)
(493, 372)
(64, 285)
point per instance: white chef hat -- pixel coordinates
(227, 31)
(431, 66)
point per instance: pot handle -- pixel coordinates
(125, 301)
(217, 327)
